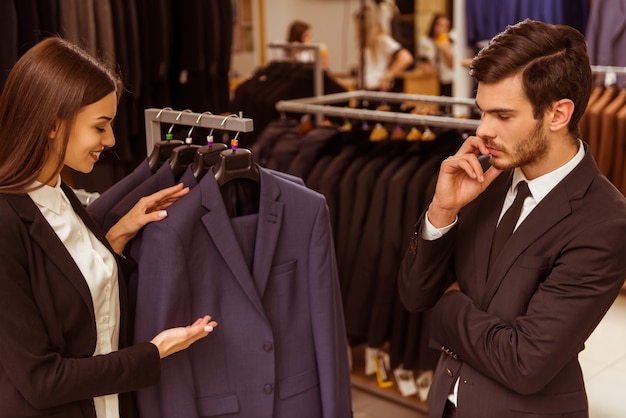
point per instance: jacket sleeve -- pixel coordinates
(425, 271)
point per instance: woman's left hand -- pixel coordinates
(148, 209)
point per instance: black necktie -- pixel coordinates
(508, 221)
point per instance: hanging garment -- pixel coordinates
(270, 281)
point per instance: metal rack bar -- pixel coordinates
(155, 117)
(323, 105)
(599, 69)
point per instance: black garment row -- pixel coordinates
(257, 96)
(375, 190)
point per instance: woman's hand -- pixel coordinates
(177, 339)
(147, 209)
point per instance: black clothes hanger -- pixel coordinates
(206, 157)
(163, 150)
(184, 155)
(234, 164)
(239, 181)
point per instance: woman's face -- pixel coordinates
(442, 25)
(91, 133)
(307, 36)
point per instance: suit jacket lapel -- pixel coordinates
(41, 233)
(554, 207)
(268, 229)
(217, 223)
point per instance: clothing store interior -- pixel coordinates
(211, 83)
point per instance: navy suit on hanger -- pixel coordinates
(270, 281)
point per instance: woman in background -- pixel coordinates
(385, 59)
(435, 52)
(301, 32)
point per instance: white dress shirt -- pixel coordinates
(539, 188)
(99, 268)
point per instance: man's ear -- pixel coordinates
(560, 114)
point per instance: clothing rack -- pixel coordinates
(602, 69)
(318, 81)
(322, 105)
(318, 74)
(155, 117)
(610, 73)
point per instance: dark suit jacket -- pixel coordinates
(279, 349)
(103, 204)
(513, 335)
(47, 329)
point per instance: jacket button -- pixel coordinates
(449, 372)
(268, 346)
(268, 388)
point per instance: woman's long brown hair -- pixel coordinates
(46, 87)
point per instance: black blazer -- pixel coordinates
(513, 334)
(47, 328)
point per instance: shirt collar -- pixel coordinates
(48, 197)
(542, 185)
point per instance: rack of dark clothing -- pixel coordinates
(281, 79)
(318, 72)
(374, 190)
(603, 125)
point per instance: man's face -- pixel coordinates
(513, 136)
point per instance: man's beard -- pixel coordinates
(527, 151)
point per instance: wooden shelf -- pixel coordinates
(369, 384)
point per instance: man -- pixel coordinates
(510, 320)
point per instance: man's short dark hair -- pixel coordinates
(552, 60)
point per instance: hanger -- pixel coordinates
(207, 155)
(235, 163)
(379, 133)
(163, 149)
(414, 134)
(183, 155)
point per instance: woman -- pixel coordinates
(302, 33)
(436, 53)
(63, 328)
(385, 59)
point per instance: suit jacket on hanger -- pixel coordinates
(279, 349)
(512, 335)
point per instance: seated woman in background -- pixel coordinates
(301, 32)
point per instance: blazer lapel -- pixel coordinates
(553, 208)
(41, 233)
(217, 223)
(268, 229)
